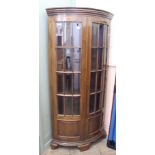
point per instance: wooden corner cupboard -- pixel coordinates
(78, 40)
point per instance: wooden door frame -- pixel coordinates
(90, 20)
(52, 71)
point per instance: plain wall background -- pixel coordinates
(44, 100)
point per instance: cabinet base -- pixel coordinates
(82, 145)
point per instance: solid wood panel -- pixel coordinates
(68, 128)
(94, 123)
(52, 75)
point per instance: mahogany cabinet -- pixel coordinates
(78, 40)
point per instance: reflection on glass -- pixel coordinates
(68, 59)
(60, 105)
(102, 100)
(103, 80)
(59, 33)
(68, 83)
(105, 56)
(76, 105)
(77, 34)
(98, 81)
(99, 58)
(93, 58)
(60, 59)
(105, 35)
(92, 82)
(97, 101)
(101, 35)
(68, 107)
(60, 83)
(76, 83)
(76, 59)
(68, 34)
(91, 103)
(94, 34)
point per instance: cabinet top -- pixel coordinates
(80, 11)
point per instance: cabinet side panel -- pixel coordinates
(52, 63)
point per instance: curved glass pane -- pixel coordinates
(92, 82)
(59, 33)
(76, 59)
(60, 105)
(60, 59)
(68, 37)
(76, 83)
(68, 52)
(93, 58)
(91, 103)
(76, 105)
(77, 29)
(98, 81)
(68, 83)
(99, 58)
(100, 35)
(95, 28)
(60, 83)
(97, 101)
(68, 105)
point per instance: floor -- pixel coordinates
(98, 148)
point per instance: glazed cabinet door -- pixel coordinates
(97, 62)
(67, 40)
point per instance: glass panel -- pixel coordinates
(68, 34)
(60, 83)
(60, 59)
(76, 83)
(93, 58)
(68, 107)
(105, 35)
(91, 103)
(102, 100)
(68, 83)
(103, 80)
(98, 81)
(60, 105)
(68, 59)
(77, 34)
(101, 35)
(94, 34)
(92, 82)
(76, 61)
(99, 58)
(76, 105)
(97, 101)
(105, 56)
(101, 121)
(59, 34)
